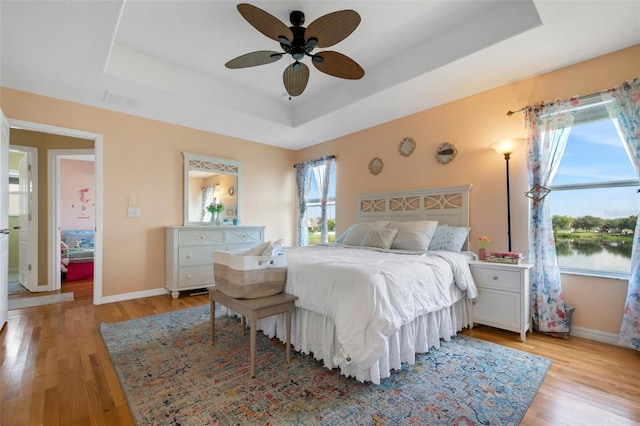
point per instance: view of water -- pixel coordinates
(612, 256)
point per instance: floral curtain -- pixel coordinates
(548, 126)
(625, 106)
(303, 174)
(207, 198)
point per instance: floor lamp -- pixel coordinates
(506, 148)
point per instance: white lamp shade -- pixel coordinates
(507, 146)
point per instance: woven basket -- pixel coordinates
(248, 277)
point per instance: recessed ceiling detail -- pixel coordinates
(170, 56)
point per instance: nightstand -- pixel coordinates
(504, 296)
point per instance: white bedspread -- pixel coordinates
(370, 294)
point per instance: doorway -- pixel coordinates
(73, 172)
(49, 278)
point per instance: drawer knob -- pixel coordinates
(495, 278)
(188, 256)
(188, 277)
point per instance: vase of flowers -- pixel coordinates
(215, 209)
(482, 253)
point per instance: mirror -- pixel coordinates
(210, 180)
(376, 165)
(406, 147)
(445, 153)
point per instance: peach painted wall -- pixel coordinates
(471, 124)
(77, 194)
(136, 148)
(143, 158)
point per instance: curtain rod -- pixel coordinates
(326, 157)
(592, 95)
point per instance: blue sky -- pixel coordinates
(595, 153)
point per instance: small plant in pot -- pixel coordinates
(215, 209)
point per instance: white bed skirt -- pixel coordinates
(313, 333)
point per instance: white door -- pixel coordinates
(4, 219)
(27, 244)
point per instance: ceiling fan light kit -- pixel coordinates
(298, 42)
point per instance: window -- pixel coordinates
(593, 200)
(14, 193)
(313, 215)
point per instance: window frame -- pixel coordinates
(592, 112)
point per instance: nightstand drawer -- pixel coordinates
(497, 279)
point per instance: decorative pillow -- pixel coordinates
(341, 238)
(274, 248)
(379, 237)
(257, 250)
(358, 231)
(413, 235)
(86, 242)
(450, 238)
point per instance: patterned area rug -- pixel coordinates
(172, 375)
(16, 288)
(31, 301)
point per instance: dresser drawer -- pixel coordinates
(197, 255)
(195, 276)
(244, 236)
(497, 279)
(200, 237)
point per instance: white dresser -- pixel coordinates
(504, 296)
(190, 252)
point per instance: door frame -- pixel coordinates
(54, 179)
(32, 282)
(52, 214)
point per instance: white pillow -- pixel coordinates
(257, 250)
(358, 231)
(274, 248)
(450, 238)
(379, 237)
(413, 235)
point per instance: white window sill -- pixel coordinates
(599, 274)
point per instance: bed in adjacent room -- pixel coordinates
(394, 284)
(77, 256)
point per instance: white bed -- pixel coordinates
(367, 310)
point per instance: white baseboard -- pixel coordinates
(598, 336)
(135, 295)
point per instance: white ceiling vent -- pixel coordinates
(119, 100)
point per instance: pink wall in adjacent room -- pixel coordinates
(77, 194)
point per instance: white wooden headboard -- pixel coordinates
(447, 205)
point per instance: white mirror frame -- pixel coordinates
(209, 164)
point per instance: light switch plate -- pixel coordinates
(133, 211)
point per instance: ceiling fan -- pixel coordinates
(299, 42)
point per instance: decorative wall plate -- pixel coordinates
(376, 165)
(445, 153)
(406, 147)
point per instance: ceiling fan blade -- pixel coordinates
(333, 27)
(265, 22)
(253, 59)
(295, 78)
(337, 65)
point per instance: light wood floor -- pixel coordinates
(55, 369)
